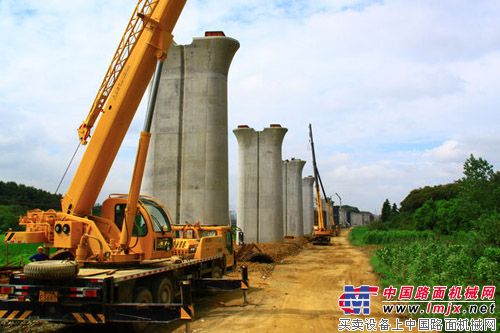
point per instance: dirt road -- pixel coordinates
(301, 295)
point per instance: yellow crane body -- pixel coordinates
(132, 228)
(142, 50)
(123, 258)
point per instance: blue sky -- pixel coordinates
(399, 92)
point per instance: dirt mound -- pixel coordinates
(287, 248)
(277, 251)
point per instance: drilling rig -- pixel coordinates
(321, 233)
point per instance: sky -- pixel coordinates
(399, 93)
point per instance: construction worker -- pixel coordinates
(39, 255)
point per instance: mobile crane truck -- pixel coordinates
(123, 267)
(321, 233)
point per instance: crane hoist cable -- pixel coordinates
(67, 167)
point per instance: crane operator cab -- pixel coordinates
(152, 235)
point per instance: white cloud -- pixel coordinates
(450, 151)
(399, 92)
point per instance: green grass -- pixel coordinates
(365, 236)
(356, 236)
(18, 254)
(383, 271)
(423, 259)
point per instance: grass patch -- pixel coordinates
(18, 254)
(383, 271)
(357, 234)
(430, 263)
(423, 259)
(365, 236)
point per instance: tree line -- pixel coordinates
(16, 199)
(471, 203)
(441, 235)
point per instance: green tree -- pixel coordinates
(477, 170)
(9, 217)
(488, 226)
(97, 210)
(16, 199)
(386, 211)
(479, 189)
(425, 216)
(448, 218)
(394, 209)
(416, 198)
(27, 196)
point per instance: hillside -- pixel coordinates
(15, 199)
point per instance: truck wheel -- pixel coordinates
(217, 272)
(51, 270)
(142, 295)
(163, 290)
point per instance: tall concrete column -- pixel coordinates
(260, 199)
(247, 217)
(187, 166)
(293, 200)
(308, 204)
(285, 178)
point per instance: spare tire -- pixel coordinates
(51, 269)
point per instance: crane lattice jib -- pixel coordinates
(132, 33)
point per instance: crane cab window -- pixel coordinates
(158, 217)
(208, 233)
(229, 241)
(140, 227)
(119, 215)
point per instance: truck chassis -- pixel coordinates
(104, 295)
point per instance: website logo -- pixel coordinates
(356, 301)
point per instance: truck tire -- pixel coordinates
(51, 270)
(142, 295)
(217, 272)
(163, 290)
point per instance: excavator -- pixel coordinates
(321, 233)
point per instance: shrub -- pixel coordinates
(488, 227)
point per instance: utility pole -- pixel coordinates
(340, 206)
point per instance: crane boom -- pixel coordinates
(133, 31)
(322, 232)
(146, 39)
(317, 177)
